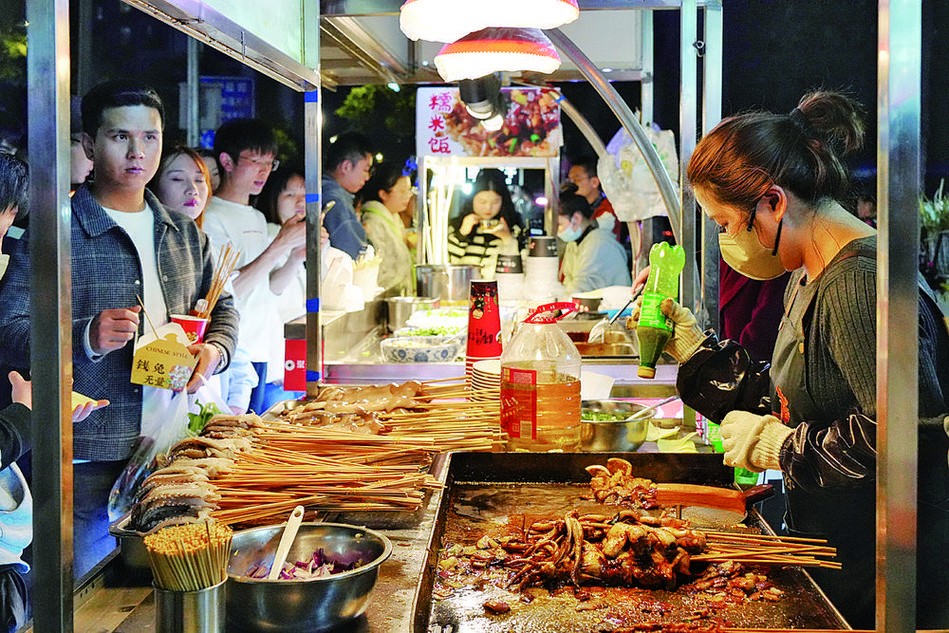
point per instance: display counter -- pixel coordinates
(401, 599)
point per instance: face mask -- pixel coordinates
(606, 221)
(570, 234)
(746, 255)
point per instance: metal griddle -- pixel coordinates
(484, 490)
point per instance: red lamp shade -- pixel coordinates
(494, 50)
(448, 20)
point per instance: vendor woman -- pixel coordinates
(489, 224)
(774, 184)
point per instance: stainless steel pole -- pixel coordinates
(688, 133)
(898, 165)
(626, 118)
(50, 318)
(711, 115)
(583, 125)
(313, 127)
(194, 93)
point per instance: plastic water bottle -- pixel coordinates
(540, 384)
(655, 329)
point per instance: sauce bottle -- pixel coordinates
(540, 384)
(654, 330)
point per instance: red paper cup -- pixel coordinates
(484, 320)
(194, 327)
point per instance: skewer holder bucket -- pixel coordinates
(190, 611)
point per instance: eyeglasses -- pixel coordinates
(274, 164)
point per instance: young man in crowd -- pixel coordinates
(592, 258)
(246, 152)
(125, 247)
(583, 174)
(346, 169)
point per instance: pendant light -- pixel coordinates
(448, 20)
(497, 50)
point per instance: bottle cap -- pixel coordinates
(646, 372)
(550, 312)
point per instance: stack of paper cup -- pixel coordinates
(510, 277)
(484, 324)
(486, 380)
(541, 270)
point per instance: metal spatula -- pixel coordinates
(598, 332)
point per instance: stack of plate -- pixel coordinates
(486, 380)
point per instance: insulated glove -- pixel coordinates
(686, 334)
(753, 441)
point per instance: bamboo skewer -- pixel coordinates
(226, 262)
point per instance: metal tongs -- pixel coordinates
(648, 411)
(598, 333)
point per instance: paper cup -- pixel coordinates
(194, 327)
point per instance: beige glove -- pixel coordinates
(753, 441)
(686, 334)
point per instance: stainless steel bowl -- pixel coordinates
(302, 605)
(604, 436)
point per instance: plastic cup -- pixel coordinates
(194, 327)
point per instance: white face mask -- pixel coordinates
(570, 234)
(746, 255)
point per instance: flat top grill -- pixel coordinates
(486, 492)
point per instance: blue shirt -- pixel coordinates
(346, 231)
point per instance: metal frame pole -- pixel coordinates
(50, 314)
(194, 93)
(711, 115)
(626, 118)
(647, 84)
(898, 164)
(313, 127)
(688, 133)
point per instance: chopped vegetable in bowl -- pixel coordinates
(602, 416)
(317, 566)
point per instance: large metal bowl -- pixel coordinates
(302, 605)
(604, 436)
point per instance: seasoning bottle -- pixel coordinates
(540, 384)
(655, 329)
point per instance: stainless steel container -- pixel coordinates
(294, 606)
(190, 611)
(604, 436)
(448, 283)
(399, 309)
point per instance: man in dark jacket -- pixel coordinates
(125, 247)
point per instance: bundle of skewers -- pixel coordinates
(352, 449)
(226, 262)
(189, 557)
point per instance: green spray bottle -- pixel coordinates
(654, 330)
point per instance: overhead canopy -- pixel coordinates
(361, 43)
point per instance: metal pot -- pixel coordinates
(318, 604)
(448, 283)
(604, 436)
(399, 309)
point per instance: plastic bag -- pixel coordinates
(173, 412)
(626, 178)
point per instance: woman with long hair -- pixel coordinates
(488, 223)
(183, 184)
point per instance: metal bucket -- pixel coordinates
(448, 283)
(190, 611)
(399, 309)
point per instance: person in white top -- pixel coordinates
(183, 184)
(245, 150)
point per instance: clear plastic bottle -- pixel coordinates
(654, 330)
(540, 384)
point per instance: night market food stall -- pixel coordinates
(566, 536)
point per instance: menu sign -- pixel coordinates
(531, 124)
